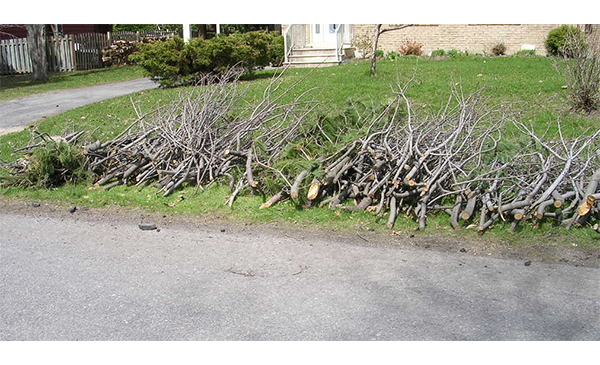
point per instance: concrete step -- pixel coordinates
(316, 58)
(311, 51)
(312, 64)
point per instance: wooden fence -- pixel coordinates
(60, 55)
(67, 53)
(14, 57)
(88, 50)
(61, 52)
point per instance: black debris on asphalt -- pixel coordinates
(147, 226)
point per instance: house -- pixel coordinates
(309, 45)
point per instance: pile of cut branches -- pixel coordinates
(454, 162)
(202, 136)
(451, 163)
(47, 162)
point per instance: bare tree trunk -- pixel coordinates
(36, 41)
(202, 31)
(376, 32)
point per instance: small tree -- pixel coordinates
(36, 41)
(377, 31)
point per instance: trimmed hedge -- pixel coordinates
(175, 63)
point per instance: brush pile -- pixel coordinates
(456, 162)
(200, 137)
(453, 163)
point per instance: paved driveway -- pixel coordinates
(18, 113)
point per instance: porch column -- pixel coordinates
(187, 32)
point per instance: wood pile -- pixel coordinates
(117, 54)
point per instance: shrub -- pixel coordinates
(556, 42)
(363, 43)
(52, 163)
(176, 63)
(276, 52)
(438, 53)
(411, 48)
(391, 55)
(163, 60)
(379, 53)
(525, 53)
(454, 53)
(582, 73)
(499, 49)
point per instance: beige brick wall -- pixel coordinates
(593, 36)
(474, 38)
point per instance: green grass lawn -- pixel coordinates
(529, 85)
(17, 86)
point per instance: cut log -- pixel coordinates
(470, 207)
(540, 214)
(586, 206)
(249, 176)
(313, 190)
(274, 200)
(455, 212)
(518, 214)
(364, 203)
(295, 190)
(393, 212)
(481, 229)
(339, 198)
(559, 200)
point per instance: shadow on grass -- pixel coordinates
(26, 80)
(263, 74)
(15, 81)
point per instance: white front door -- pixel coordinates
(323, 35)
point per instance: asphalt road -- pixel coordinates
(17, 113)
(91, 276)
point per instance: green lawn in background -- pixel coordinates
(17, 86)
(529, 86)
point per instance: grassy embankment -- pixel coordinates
(529, 86)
